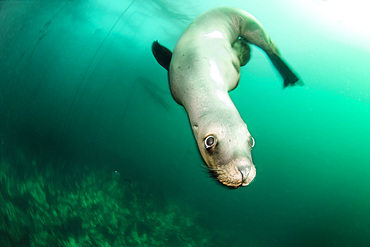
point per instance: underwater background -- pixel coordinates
(95, 152)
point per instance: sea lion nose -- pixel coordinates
(244, 171)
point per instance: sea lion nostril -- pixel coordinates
(244, 171)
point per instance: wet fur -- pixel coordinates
(204, 66)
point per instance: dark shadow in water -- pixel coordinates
(172, 11)
(154, 92)
(43, 31)
(333, 229)
(89, 65)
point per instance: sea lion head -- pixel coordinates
(226, 149)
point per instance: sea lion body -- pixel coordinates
(203, 68)
(206, 45)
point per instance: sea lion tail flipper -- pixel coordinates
(290, 79)
(162, 55)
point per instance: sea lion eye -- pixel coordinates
(209, 141)
(252, 142)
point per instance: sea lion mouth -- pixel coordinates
(251, 175)
(235, 176)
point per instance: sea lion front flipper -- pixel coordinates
(290, 79)
(162, 55)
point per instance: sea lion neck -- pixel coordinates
(216, 107)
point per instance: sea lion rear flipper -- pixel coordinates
(162, 55)
(290, 79)
(243, 51)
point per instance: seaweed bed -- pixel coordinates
(42, 205)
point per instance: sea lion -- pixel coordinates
(203, 68)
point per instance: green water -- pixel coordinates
(81, 97)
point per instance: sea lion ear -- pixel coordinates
(162, 55)
(195, 129)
